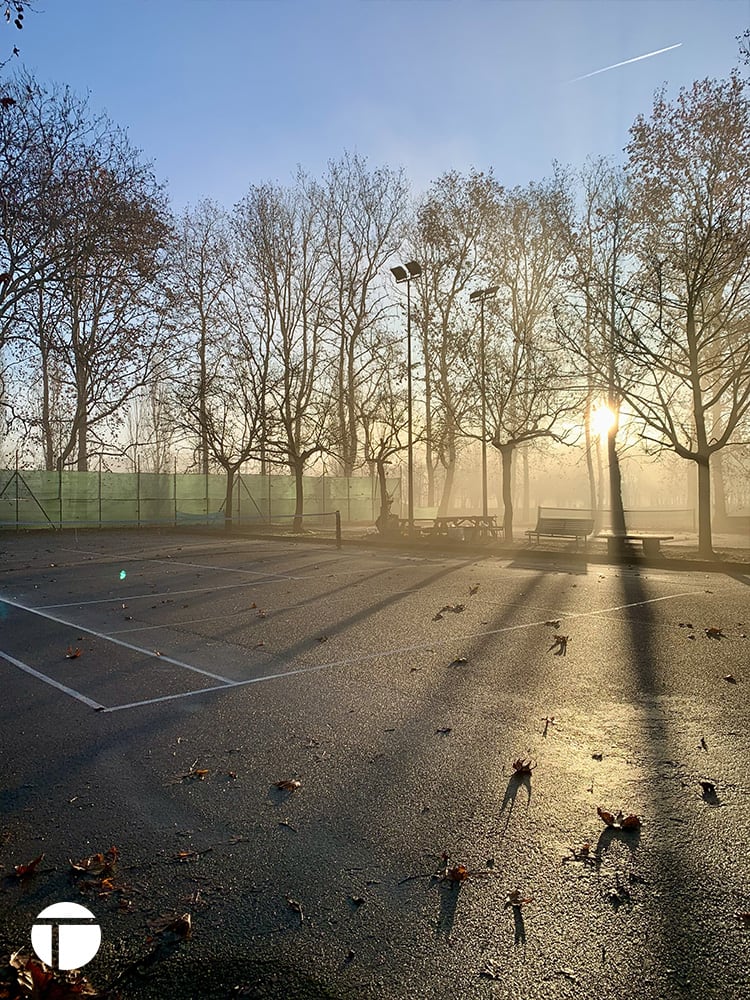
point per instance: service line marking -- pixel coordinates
(49, 680)
(348, 661)
(118, 642)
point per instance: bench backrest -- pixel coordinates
(569, 525)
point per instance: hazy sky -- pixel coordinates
(224, 93)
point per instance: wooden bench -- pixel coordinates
(651, 543)
(562, 527)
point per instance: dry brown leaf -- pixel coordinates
(523, 765)
(458, 873)
(25, 871)
(514, 898)
(288, 785)
(35, 980)
(607, 817)
(730, 678)
(102, 865)
(72, 654)
(629, 822)
(714, 633)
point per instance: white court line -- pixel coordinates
(118, 642)
(226, 683)
(143, 597)
(48, 680)
(414, 647)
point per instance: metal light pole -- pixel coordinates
(412, 270)
(479, 296)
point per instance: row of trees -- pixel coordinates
(271, 333)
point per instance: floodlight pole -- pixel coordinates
(479, 296)
(401, 274)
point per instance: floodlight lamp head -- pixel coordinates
(399, 273)
(413, 268)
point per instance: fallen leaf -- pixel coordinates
(515, 898)
(743, 915)
(523, 765)
(709, 788)
(730, 678)
(288, 785)
(630, 822)
(103, 865)
(714, 633)
(297, 907)
(25, 871)
(606, 817)
(36, 980)
(445, 730)
(459, 661)
(473, 590)
(597, 756)
(71, 653)
(553, 623)
(459, 873)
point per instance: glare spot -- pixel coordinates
(123, 574)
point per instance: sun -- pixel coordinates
(602, 419)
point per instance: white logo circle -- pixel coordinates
(68, 936)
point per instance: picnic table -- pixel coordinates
(467, 526)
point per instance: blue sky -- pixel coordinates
(224, 93)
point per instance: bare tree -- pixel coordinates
(198, 277)
(363, 218)
(599, 243)
(528, 397)
(451, 243)
(284, 253)
(690, 168)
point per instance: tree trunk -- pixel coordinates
(506, 455)
(616, 512)
(83, 459)
(590, 471)
(450, 472)
(719, 492)
(526, 506)
(299, 497)
(705, 543)
(228, 497)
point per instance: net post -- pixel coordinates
(174, 490)
(138, 492)
(338, 529)
(99, 497)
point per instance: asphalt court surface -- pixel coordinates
(159, 618)
(400, 698)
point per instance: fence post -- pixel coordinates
(338, 529)
(239, 492)
(323, 493)
(174, 490)
(17, 525)
(206, 497)
(100, 493)
(269, 498)
(138, 492)
(59, 491)
(349, 499)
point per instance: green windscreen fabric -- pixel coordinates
(38, 499)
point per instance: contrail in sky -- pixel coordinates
(625, 62)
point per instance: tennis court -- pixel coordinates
(397, 688)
